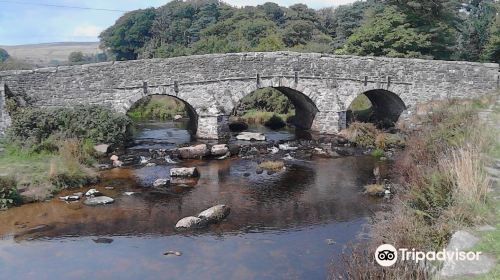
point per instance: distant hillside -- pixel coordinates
(50, 53)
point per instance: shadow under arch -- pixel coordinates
(192, 125)
(305, 109)
(386, 106)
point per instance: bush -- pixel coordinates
(377, 153)
(8, 192)
(157, 108)
(98, 124)
(363, 134)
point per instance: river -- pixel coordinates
(288, 225)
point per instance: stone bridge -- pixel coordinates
(320, 86)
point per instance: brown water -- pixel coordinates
(281, 226)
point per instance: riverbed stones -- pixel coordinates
(191, 152)
(215, 213)
(249, 136)
(190, 223)
(219, 150)
(158, 183)
(189, 172)
(99, 200)
(102, 149)
(93, 192)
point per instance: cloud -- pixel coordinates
(87, 30)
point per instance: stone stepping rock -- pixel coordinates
(99, 200)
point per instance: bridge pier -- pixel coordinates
(213, 127)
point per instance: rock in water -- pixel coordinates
(197, 151)
(101, 149)
(160, 183)
(215, 213)
(93, 192)
(287, 147)
(184, 172)
(168, 159)
(189, 223)
(177, 117)
(249, 136)
(100, 200)
(219, 150)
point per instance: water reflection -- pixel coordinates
(277, 226)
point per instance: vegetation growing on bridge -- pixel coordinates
(444, 29)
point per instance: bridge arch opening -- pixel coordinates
(166, 111)
(293, 107)
(379, 106)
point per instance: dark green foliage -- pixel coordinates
(434, 29)
(388, 34)
(266, 100)
(8, 192)
(3, 55)
(129, 34)
(34, 125)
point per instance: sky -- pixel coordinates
(23, 23)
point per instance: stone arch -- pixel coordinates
(190, 110)
(305, 108)
(301, 98)
(387, 106)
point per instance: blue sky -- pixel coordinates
(29, 24)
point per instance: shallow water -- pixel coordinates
(280, 226)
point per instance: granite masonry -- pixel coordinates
(320, 86)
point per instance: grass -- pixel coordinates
(374, 189)
(442, 188)
(157, 108)
(51, 170)
(272, 165)
(260, 117)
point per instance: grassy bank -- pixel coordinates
(260, 117)
(442, 187)
(157, 108)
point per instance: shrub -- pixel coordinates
(8, 192)
(363, 134)
(377, 153)
(98, 124)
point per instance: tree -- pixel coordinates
(4, 55)
(297, 32)
(129, 34)
(491, 51)
(387, 34)
(76, 57)
(440, 19)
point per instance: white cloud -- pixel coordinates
(87, 30)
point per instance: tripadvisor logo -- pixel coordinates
(387, 255)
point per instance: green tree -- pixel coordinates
(270, 43)
(297, 32)
(491, 51)
(76, 57)
(387, 34)
(3, 55)
(129, 34)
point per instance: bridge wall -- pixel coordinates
(214, 84)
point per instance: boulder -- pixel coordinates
(114, 158)
(117, 163)
(177, 117)
(234, 149)
(287, 147)
(99, 200)
(93, 192)
(160, 183)
(184, 172)
(190, 223)
(219, 150)
(101, 149)
(197, 151)
(249, 136)
(215, 213)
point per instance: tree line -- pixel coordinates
(431, 29)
